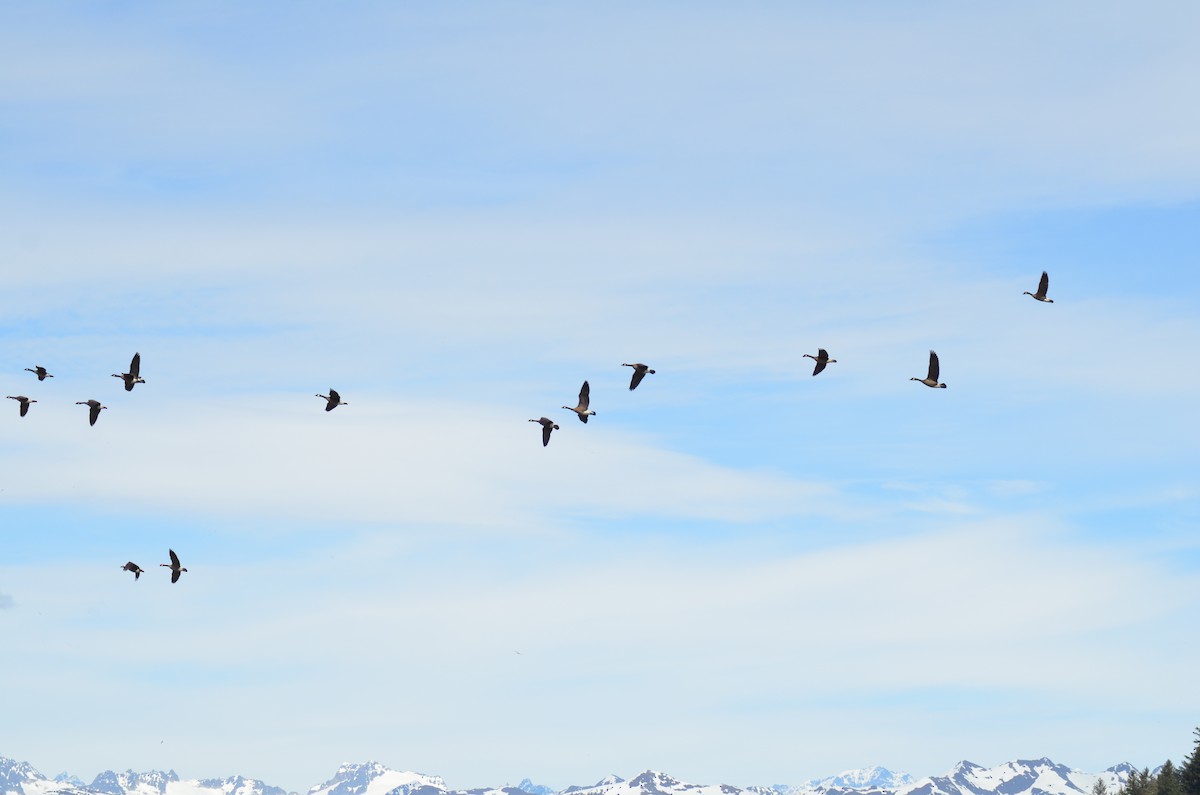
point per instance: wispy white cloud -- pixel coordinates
(993, 606)
(381, 460)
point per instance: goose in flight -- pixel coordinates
(133, 567)
(582, 410)
(931, 380)
(24, 401)
(93, 409)
(822, 359)
(174, 566)
(40, 372)
(132, 377)
(547, 427)
(1043, 287)
(639, 372)
(333, 400)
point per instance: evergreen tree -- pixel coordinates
(1189, 774)
(1100, 788)
(1167, 782)
(1140, 782)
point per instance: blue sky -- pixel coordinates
(454, 214)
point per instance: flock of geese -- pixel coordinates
(582, 408)
(174, 566)
(821, 360)
(131, 378)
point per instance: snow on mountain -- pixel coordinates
(651, 783)
(862, 780)
(18, 778)
(373, 778)
(21, 777)
(604, 782)
(236, 785)
(129, 783)
(874, 777)
(1020, 777)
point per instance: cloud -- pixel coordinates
(383, 459)
(716, 637)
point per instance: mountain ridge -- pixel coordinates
(1017, 777)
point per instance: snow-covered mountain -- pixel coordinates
(18, 778)
(651, 783)
(129, 783)
(1020, 777)
(864, 778)
(373, 778)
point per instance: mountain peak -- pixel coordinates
(373, 778)
(863, 778)
(527, 785)
(14, 775)
(66, 778)
(653, 778)
(151, 781)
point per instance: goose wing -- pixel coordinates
(934, 367)
(585, 393)
(175, 575)
(174, 559)
(93, 412)
(639, 372)
(821, 362)
(547, 428)
(1044, 284)
(135, 366)
(334, 400)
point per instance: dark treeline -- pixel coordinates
(1169, 779)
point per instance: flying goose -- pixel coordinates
(547, 426)
(24, 401)
(333, 400)
(174, 566)
(822, 359)
(93, 409)
(132, 377)
(582, 410)
(40, 372)
(639, 372)
(136, 569)
(1043, 286)
(931, 380)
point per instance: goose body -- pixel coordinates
(581, 410)
(133, 567)
(931, 380)
(1043, 288)
(40, 372)
(174, 566)
(134, 375)
(822, 359)
(24, 401)
(94, 408)
(548, 426)
(639, 372)
(333, 400)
